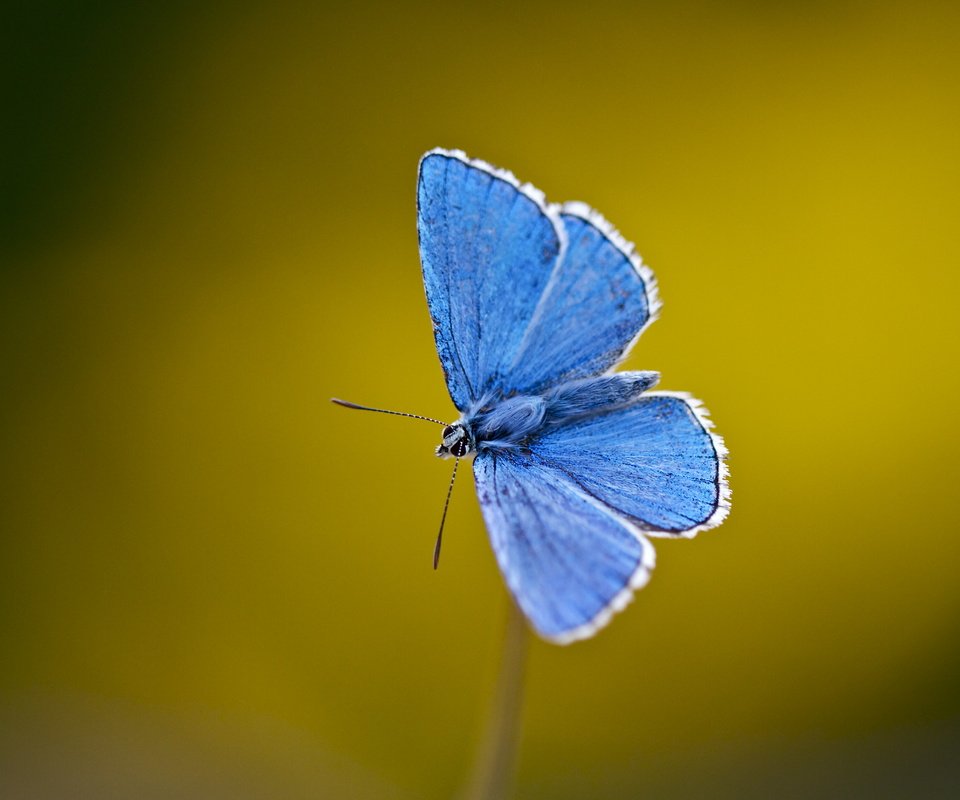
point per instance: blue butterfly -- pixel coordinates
(533, 305)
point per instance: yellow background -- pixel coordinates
(213, 583)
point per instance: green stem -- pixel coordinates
(496, 757)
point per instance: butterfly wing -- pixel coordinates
(487, 247)
(655, 462)
(600, 298)
(568, 561)
(523, 295)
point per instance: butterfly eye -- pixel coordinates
(447, 431)
(459, 449)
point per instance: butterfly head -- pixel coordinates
(457, 441)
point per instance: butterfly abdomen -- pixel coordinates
(593, 395)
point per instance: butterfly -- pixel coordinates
(576, 465)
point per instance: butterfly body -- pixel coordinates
(498, 423)
(576, 465)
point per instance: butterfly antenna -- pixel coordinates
(443, 519)
(347, 404)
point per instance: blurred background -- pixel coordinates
(213, 583)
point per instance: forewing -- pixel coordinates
(569, 563)
(599, 299)
(656, 461)
(487, 247)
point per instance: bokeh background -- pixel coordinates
(213, 583)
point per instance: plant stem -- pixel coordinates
(493, 768)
